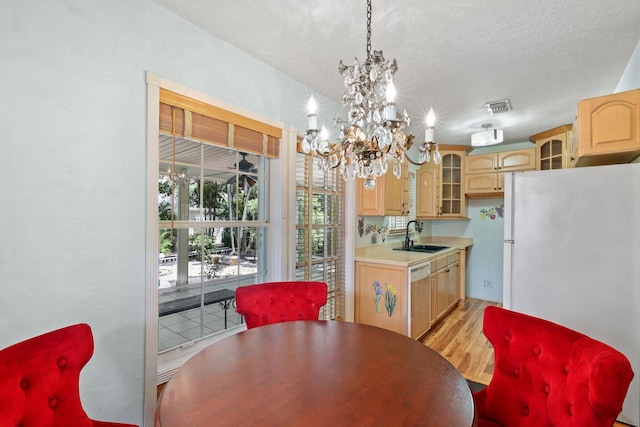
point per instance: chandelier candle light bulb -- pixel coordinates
(430, 123)
(312, 117)
(429, 148)
(390, 109)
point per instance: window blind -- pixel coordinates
(398, 224)
(205, 122)
(320, 232)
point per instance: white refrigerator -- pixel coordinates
(572, 255)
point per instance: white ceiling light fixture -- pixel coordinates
(372, 137)
(487, 136)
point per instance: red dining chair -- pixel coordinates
(548, 375)
(39, 380)
(275, 302)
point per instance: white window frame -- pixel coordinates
(161, 367)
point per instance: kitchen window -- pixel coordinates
(398, 224)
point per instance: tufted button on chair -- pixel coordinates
(39, 380)
(274, 302)
(549, 375)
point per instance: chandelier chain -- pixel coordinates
(368, 28)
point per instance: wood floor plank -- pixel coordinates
(459, 338)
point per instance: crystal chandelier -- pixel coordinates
(372, 136)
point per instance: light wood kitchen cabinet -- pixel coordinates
(484, 173)
(553, 148)
(422, 292)
(504, 161)
(374, 282)
(438, 294)
(608, 129)
(481, 183)
(440, 188)
(427, 190)
(389, 197)
(445, 286)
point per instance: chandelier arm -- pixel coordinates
(335, 149)
(406, 156)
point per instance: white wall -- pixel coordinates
(631, 77)
(73, 156)
(484, 258)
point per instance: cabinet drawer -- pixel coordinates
(453, 258)
(439, 263)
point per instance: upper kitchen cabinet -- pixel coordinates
(440, 188)
(484, 173)
(504, 161)
(552, 148)
(608, 129)
(390, 196)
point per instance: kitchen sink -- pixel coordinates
(423, 248)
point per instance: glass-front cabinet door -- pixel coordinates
(552, 148)
(452, 196)
(440, 188)
(551, 154)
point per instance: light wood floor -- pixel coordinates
(459, 338)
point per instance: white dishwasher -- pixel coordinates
(420, 297)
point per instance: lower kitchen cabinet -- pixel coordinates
(382, 296)
(445, 289)
(385, 297)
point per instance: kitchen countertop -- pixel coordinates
(384, 254)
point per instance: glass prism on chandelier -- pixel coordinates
(372, 137)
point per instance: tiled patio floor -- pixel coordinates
(180, 328)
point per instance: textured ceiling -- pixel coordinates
(454, 56)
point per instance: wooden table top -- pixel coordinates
(316, 373)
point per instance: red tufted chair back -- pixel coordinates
(549, 375)
(39, 380)
(274, 302)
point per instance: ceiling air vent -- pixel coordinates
(497, 107)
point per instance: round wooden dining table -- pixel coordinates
(316, 373)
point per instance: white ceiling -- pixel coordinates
(543, 55)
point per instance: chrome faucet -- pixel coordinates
(408, 243)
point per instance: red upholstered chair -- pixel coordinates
(275, 302)
(39, 380)
(549, 375)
